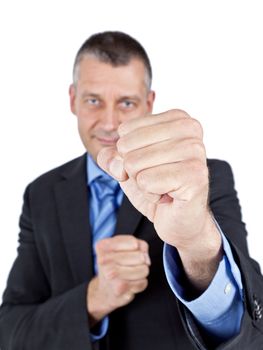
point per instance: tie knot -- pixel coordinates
(107, 181)
(105, 186)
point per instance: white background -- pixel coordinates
(207, 59)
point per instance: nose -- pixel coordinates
(110, 119)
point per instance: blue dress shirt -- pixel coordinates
(93, 172)
(219, 309)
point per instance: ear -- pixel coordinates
(150, 100)
(72, 97)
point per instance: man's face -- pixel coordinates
(104, 97)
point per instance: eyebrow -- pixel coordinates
(129, 97)
(120, 99)
(90, 94)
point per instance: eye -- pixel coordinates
(127, 104)
(92, 101)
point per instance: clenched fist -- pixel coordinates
(123, 267)
(160, 161)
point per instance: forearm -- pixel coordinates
(201, 257)
(96, 304)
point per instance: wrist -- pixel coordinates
(96, 303)
(204, 244)
(201, 257)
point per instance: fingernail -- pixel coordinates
(116, 168)
(147, 259)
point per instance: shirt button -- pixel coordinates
(228, 288)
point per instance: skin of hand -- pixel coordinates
(123, 266)
(160, 162)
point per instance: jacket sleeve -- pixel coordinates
(225, 206)
(30, 317)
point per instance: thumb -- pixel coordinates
(110, 161)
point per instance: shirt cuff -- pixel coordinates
(219, 308)
(100, 330)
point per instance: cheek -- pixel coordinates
(85, 129)
(86, 120)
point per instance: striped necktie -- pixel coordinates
(104, 192)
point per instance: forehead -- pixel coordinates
(93, 72)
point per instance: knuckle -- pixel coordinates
(177, 124)
(133, 240)
(123, 128)
(101, 259)
(98, 247)
(176, 112)
(131, 162)
(144, 246)
(197, 128)
(101, 245)
(146, 270)
(200, 170)
(130, 240)
(143, 180)
(121, 145)
(120, 287)
(140, 286)
(199, 149)
(144, 284)
(111, 273)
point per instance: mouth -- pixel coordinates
(107, 141)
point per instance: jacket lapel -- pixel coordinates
(72, 199)
(128, 218)
(73, 211)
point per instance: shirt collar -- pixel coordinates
(94, 171)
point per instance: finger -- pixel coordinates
(142, 201)
(144, 248)
(127, 258)
(138, 286)
(175, 129)
(136, 123)
(111, 162)
(170, 151)
(129, 297)
(174, 179)
(143, 245)
(126, 273)
(127, 289)
(117, 243)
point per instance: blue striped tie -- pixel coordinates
(104, 192)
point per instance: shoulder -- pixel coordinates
(220, 171)
(218, 166)
(221, 180)
(48, 179)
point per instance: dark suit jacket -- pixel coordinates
(44, 304)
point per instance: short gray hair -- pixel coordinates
(115, 48)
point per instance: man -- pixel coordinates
(92, 270)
